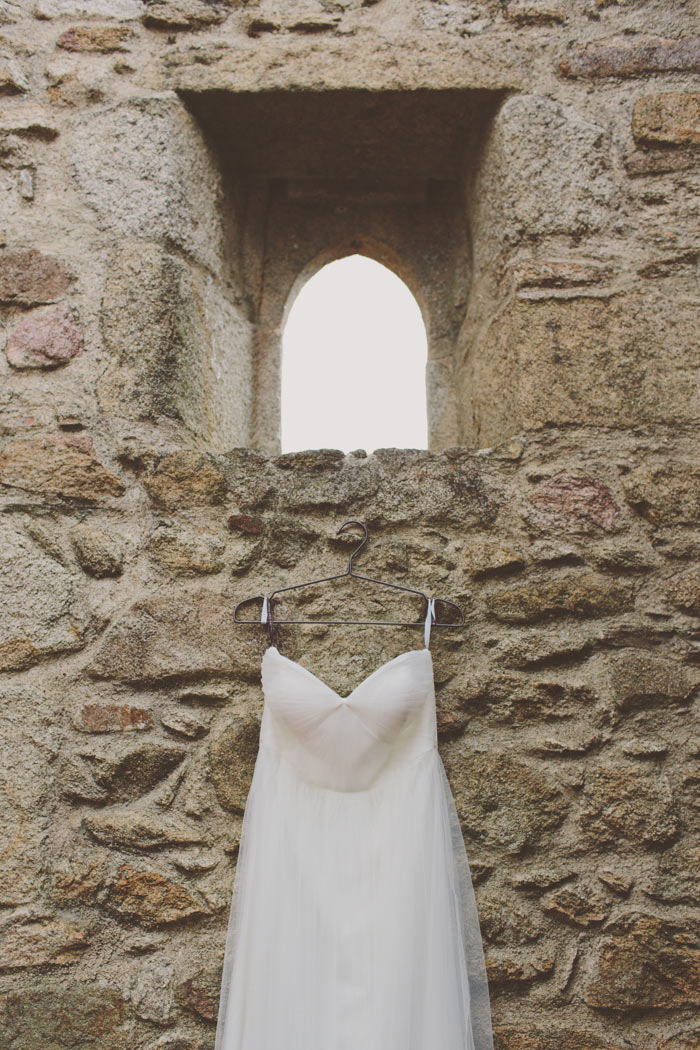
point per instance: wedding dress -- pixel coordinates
(353, 922)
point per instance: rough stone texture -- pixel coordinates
(135, 831)
(185, 479)
(646, 963)
(187, 552)
(184, 14)
(29, 742)
(580, 595)
(41, 608)
(98, 553)
(503, 803)
(573, 503)
(116, 9)
(232, 754)
(28, 277)
(171, 173)
(157, 314)
(52, 942)
(672, 117)
(527, 1037)
(164, 184)
(100, 39)
(58, 467)
(171, 635)
(200, 993)
(64, 1016)
(619, 57)
(111, 718)
(119, 774)
(621, 805)
(667, 494)
(151, 898)
(683, 590)
(638, 679)
(45, 338)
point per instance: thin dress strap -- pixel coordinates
(429, 618)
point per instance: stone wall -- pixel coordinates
(567, 709)
(143, 280)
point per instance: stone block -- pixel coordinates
(111, 718)
(118, 774)
(573, 502)
(27, 277)
(645, 963)
(674, 879)
(633, 359)
(158, 181)
(545, 170)
(185, 479)
(200, 993)
(63, 1016)
(574, 908)
(131, 830)
(149, 897)
(42, 611)
(503, 803)
(56, 467)
(45, 338)
(40, 942)
(172, 635)
(186, 552)
(670, 117)
(665, 492)
(183, 723)
(119, 10)
(232, 754)
(528, 1037)
(505, 969)
(489, 557)
(640, 679)
(683, 590)
(29, 121)
(100, 39)
(581, 595)
(177, 346)
(98, 553)
(535, 12)
(184, 14)
(28, 744)
(12, 81)
(618, 57)
(623, 806)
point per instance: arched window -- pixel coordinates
(353, 369)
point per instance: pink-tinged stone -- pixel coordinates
(27, 277)
(112, 718)
(44, 338)
(574, 502)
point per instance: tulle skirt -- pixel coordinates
(353, 923)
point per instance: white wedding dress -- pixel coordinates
(353, 923)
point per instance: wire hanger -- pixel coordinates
(268, 599)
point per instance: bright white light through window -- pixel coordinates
(353, 362)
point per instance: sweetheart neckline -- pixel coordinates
(346, 699)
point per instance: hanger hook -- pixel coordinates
(354, 554)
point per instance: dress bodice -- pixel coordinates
(347, 743)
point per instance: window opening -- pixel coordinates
(353, 369)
